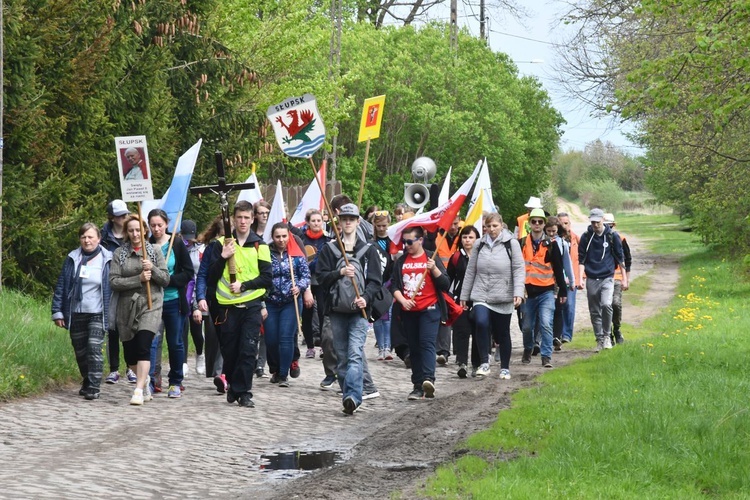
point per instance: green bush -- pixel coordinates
(602, 193)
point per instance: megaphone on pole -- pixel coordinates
(416, 195)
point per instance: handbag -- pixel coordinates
(381, 303)
(454, 309)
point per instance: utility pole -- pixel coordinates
(454, 24)
(334, 69)
(2, 137)
(482, 22)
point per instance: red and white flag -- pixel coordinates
(312, 198)
(440, 218)
(277, 213)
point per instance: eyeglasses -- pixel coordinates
(536, 221)
(380, 213)
(409, 243)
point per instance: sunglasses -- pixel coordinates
(411, 242)
(536, 221)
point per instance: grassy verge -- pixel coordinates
(35, 355)
(664, 416)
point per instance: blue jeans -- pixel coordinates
(173, 323)
(569, 315)
(421, 328)
(349, 334)
(382, 329)
(539, 310)
(280, 329)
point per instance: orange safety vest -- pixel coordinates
(445, 251)
(538, 272)
(618, 269)
(522, 221)
(574, 239)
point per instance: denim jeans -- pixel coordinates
(173, 324)
(495, 326)
(539, 310)
(599, 293)
(280, 329)
(382, 329)
(349, 334)
(421, 328)
(569, 315)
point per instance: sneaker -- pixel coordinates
(557, 343)
(310, 354)
(483, 370)
(147, 394)
(599, 344)
(84, 388)
(504, 374)
(607, 343)
(283, 382)
(294, 370)
(246, 401)
(321, 353)
(350, 406)
(370, 395)
(137, 398)
(259, 373)
(473, 372)
(618, 338)
(275, 379)
(429, 389)
(388, 355)
(328, 382)
(91, 394)
(381, 355)
(526, 358)
(497, 353)
(174, 391)
(535, 351)
(407, 362)
(546, 362)
(185, 370)
(231, 396)
(441, 359)
(112, 378)
(416, 394)
(132, 378)
(462, 370)
(200, 364)
(221, 383)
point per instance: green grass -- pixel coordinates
(35, 355)
(638, 288)
(663, 416)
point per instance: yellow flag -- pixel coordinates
(475, 214)
(372, 117)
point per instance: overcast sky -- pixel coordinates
(533, 41)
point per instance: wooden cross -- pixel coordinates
(223, 189)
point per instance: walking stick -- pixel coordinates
(296, 304)
(336, 231)
(364, 172)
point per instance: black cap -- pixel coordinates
(188, 229)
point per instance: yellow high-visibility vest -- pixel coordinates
(246, 259)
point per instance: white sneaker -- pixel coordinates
(483, 370)
(504, 374)
(607, 342)
(137, 398)
(200, 364)
(147, 396)
(599, 345)
(381, 354)
(185, 370)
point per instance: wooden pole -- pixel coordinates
(364, 173)
(143, 253)
(174, 232)
(335, 230)
(296, 304)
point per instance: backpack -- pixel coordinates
(342, 292)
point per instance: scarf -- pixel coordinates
(85, 258)
(313, 235)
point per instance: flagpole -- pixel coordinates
(143, 253)
(335, 230)
(364, 173)
(178, 220)
(296, 303)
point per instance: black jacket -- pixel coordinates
(328, 272)
(183, 271)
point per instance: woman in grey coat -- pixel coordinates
(137, 323)
(494, 282)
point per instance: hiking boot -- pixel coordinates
(416, 394)
(504, 374)
(441, 360)
(557, 343)
(429, 389)
(294, 370)
(174, 392)
(132, 378)
(484, 370)
(200, 364)
(546, 362)
(112, 378)
(221, 383)
(350, 406)
(462, 370)
(526, 358)
(283, 382)
(607, 343)
(310, 354)
(246, 401)
(328, 382)
(535, 351)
